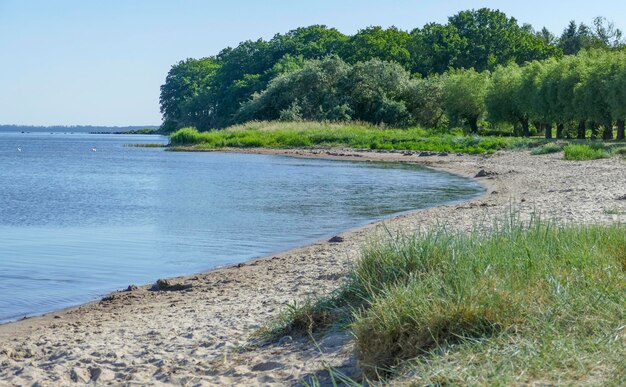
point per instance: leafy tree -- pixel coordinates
(240, 75)
(547, 37)
(592, 92)
(502, 98)
(425, 101)
(435, 48)
(390, 44)
(616, 95)
(312, 91)
(313, 42)
(186, 96)
(375, 89)
(464, 96)
(491, 38)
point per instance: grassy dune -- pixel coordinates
(521, 303)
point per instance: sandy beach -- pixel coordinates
(199, 333)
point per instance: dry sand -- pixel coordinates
(199, 336)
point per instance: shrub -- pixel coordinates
(579, 152)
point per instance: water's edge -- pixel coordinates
(298, 154)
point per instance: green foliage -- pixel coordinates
(514, 303)
(503, 101)
(547, 148)
(298, 134)
(208, 93)
(186, 96)
(329, 89)
(483, 295)
(313, 88)
(390, 45)
(464, 96)
(581, 152)
(424, 100)
(487, 61)
(489, 38)
(376, 91)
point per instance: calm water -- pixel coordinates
(76, 224)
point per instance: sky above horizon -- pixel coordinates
(76, 62)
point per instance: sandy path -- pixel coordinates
(198, 336)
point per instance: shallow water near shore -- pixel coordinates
(82, 215)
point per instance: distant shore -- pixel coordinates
(196, 330)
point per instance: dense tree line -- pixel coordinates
(378, 75)
(573, 93)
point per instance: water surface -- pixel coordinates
(82, 215)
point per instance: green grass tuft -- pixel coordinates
(516, 304)
(547, 148)
(581, 152)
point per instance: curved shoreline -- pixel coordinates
(283, 250)
(197, 335)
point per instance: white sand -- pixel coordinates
(200, 336)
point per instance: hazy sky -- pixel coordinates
(79, 62)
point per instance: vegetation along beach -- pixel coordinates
(510, 270)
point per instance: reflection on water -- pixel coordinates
(77, 223)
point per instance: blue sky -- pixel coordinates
(79, 62)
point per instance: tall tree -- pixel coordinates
(465, 92)
(376, 89)
(575, 38)
(186, 96)
(502, 98)
(491, 38)
(391, 44)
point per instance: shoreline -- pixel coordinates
(197, 335)
(355, 157)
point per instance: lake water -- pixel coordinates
(82, 215)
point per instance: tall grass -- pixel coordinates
(518, 304)
(309, 134)
(581, 152)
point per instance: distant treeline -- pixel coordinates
(79, 128)
(392, 76)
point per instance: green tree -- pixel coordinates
(502, 99)
(435, 48)
(605, 34)
(592, 92)
(575, 38)
(464, 95)
(312, 91)
(391, 44)
(616, 93)
(186, 96)
(425, 101)
(376, 89)
(490, 38)
(313, 42)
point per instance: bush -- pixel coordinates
(578, 152)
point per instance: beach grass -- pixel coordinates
(351, 135)
(520, 303)
(582, 152)
(548, 148)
